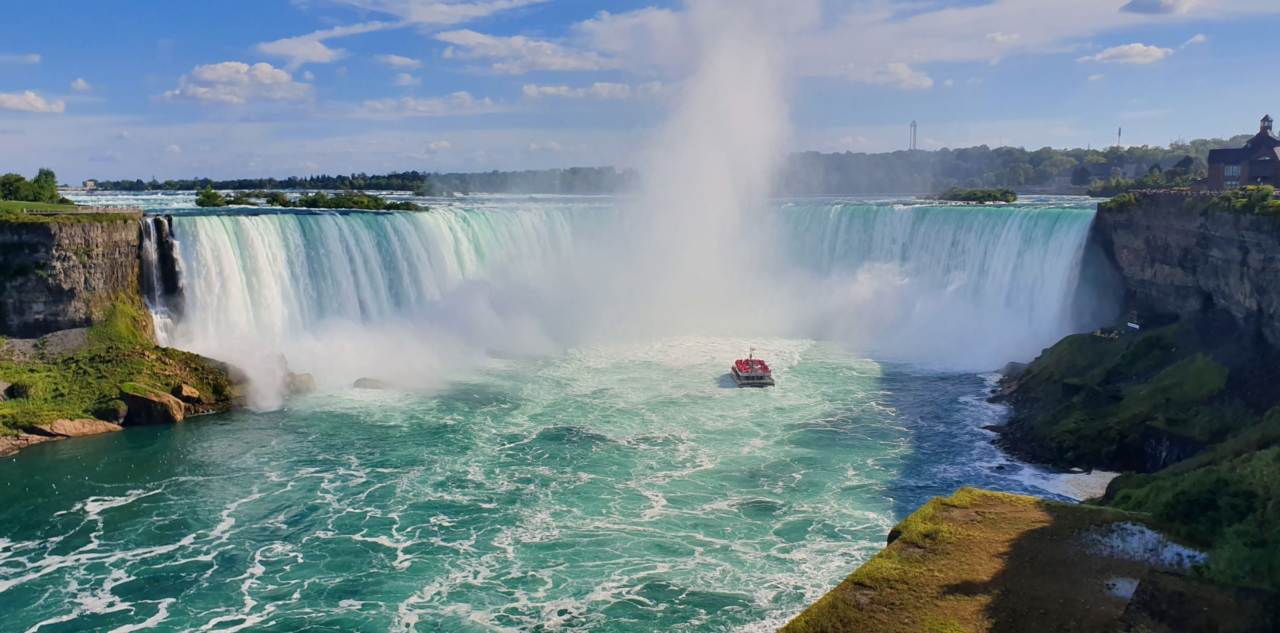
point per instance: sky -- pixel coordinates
(255, 88)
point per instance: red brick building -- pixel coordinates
(1257, 163)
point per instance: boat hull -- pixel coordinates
(751, 380)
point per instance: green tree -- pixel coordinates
(11, 186)
(210, 198)
(1081, 176)
(45, 187)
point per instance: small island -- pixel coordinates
(978, 196)
(343, 200)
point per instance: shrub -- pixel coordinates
(981, 196)
(209, 198)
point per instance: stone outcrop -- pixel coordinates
(59, 430)
(61, 275)
(989, 562)
(299, 384)
(187, 394)
(79, 428)
(371, 384)
(150, 406)
(1175, 261)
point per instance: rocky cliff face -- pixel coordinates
(1191, 263)
(61, 275)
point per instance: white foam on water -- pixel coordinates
(150, 623)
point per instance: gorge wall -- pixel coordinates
(1184, 262)
(60, 273)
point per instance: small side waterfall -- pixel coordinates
(162, 274)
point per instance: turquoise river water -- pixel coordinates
(604, 486)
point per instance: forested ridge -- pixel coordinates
(809, 173)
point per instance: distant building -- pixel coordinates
(1257, 163)
(90, 184)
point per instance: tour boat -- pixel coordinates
(752, 372)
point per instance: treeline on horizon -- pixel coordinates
(982, 167)
(574, 181)
(809, 173)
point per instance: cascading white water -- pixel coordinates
(350, 296)
(954, 287)
(416, 298)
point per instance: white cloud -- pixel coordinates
(439, 11)
(646, 37)
(1158, 7)
(520, 54)
(551, 146)
(948, 83)
(1199, 39)
(309, 76)
(81, 84)
(236, 82)
(405, 79)
(596, 91)
(454, 104)
(310, 49)
(439, 146)
(877, 33)
(173, 149)
(30, 102)
(1130, 54)
(896, 74)
(1096, 78)
(650, 89)
(19, 59)
(397, 61)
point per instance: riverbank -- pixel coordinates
(77, 334)
(1180, 394)
(981, 561)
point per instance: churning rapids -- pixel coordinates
(530, 473)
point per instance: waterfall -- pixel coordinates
(953, 286)
(417, 294)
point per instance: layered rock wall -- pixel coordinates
(58, 276)
(1189, 263)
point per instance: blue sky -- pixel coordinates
(248, 88)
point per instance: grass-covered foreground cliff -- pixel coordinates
(986, 562)
(48, 384)
(1189, 411)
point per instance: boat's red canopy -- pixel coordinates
(753, 367)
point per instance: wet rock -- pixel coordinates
(371, 384)
(4, 390)
(299, 384)
(187, 394)
(113, 411)
(150, 406)
(79, 428)
(14, 443)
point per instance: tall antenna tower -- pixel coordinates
(913, 136)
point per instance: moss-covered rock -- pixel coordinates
(985, 562)
(87, 383)
(147, 405)
(1124, 401)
